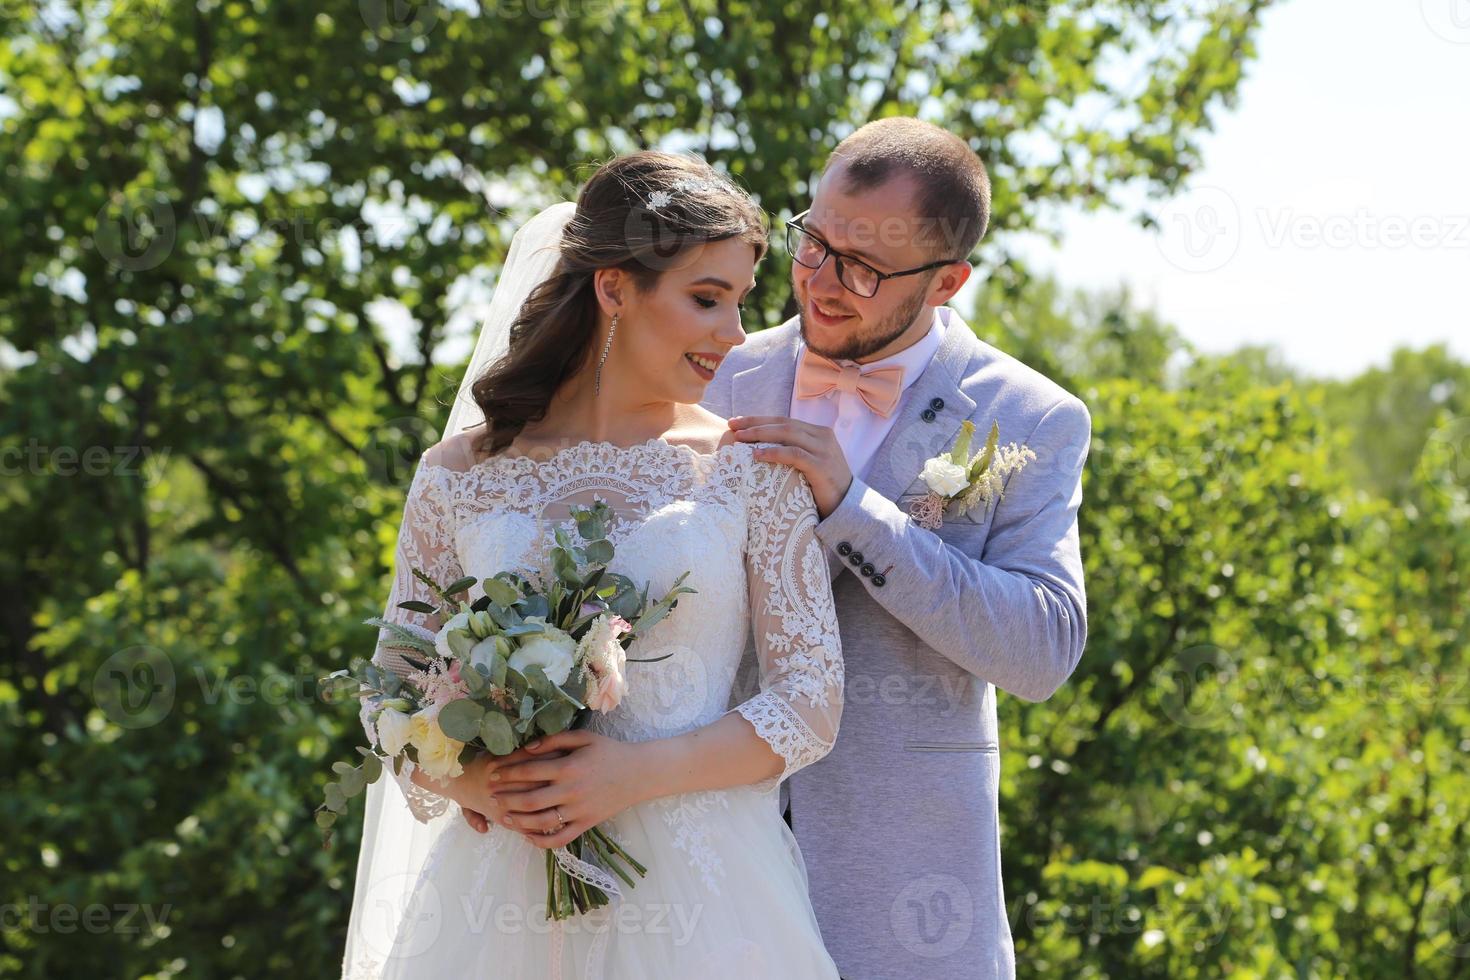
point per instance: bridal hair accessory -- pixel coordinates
(663, 198)
(605, 348)
(958, 483)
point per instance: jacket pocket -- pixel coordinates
(991, 747)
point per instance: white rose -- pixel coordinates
(438, 754)
(944, 476)
(484, 651)
(459, 621)
(393, 730)
(554, 651)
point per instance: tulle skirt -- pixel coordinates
(725, 897)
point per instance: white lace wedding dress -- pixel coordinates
(726, 893)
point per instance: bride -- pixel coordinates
(608, 322)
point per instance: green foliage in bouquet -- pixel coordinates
(515, 663)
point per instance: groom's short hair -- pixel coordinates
(954, 190)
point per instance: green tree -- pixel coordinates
(208, 428)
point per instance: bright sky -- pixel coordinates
(1332, 214)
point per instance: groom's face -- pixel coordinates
(879, 226)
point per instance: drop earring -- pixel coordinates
(605, 348)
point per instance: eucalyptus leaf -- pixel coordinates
(497, 733)
(372, 764)
(501, 592)
(353, 782)
(460, 719)
(555, 717)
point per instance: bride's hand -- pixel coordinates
(585, 777)
(475, 792)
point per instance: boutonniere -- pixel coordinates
(958, 483)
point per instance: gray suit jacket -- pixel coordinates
(899, 825)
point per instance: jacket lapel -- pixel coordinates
(765, 389)
(912, 440)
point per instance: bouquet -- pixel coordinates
(524, 660)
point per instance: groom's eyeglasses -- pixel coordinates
(856, 275)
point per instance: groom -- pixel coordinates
(898, 826)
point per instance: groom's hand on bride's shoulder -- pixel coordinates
(812, 449)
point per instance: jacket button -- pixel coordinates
(937, 404)
(867, 569)
(856, 558)
(844, 549)
(879, 580)
(927, 415)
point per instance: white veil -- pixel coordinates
(394, 843)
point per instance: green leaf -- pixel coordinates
(418, 606)
(475, 680)
(372, 766)
(555, 717)
(960, 454)
(403, 636)
(982, 462)
(353, 781)
(600, 552)
(497, 733)
(501, 592)
(460, 586)
(460, 720)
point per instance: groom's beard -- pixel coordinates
(885, 333)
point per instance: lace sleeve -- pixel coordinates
(425, 541)
(798, 650)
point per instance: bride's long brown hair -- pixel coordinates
(638, 213)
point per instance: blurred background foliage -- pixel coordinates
(212, 216)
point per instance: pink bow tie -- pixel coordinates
(879, 388)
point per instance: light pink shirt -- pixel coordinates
(859, 429)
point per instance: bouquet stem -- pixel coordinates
(566, 895)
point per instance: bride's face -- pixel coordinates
(671, 337)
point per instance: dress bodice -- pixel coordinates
(674, 511)
(742, 528)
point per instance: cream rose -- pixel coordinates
(394, 728)
(944, 476)
(438, 754)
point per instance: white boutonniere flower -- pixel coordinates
(957, 483)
